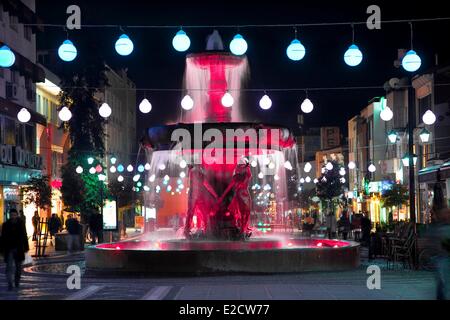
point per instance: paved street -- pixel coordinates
(47, 280)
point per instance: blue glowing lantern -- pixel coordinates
(141, 168)
(67, 51)
(7, 57)
(120, 168)
(181, 41)
(238, 45)
(124, 45)
(411, 61)
(353, 56)
(295, 51)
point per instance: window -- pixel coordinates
(9, 131)
(27, 32)
(14, 23)
(20, 136)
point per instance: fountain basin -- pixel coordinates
(259, 255)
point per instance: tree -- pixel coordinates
(122, 191)
(81, 84)
(330, 188)
(38, 192)
(397, 196)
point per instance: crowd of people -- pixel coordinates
(357, 225)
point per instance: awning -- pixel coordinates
(445, 171)
(24, 14)
(429, 174)
(11, 109)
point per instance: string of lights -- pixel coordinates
(239, 26)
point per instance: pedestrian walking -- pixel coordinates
(14, 245)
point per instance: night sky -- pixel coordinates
(155, 64)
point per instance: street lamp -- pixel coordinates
(392, 136)
(405, 160)
(424, 135)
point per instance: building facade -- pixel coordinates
(19, 159)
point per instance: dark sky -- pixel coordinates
(155, 64)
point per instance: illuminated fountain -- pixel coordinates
(222, 178)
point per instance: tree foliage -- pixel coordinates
(396, 196)
(38, 191)
(82, 84)
(329, 185)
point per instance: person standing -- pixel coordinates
(96, 227)
(344, 224)
(54, 224)
(35, 222)
(74, 229)
(14, 244)
(331, 225)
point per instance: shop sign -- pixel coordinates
(11, 193)
(13, 155)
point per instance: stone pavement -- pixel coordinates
(47, 280)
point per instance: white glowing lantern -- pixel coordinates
(105, 110)
(238, 45)
(288, 165)
(260, 175)
(67, 51)
(372, 168)
(136, 177)
(227, 100)
(308, 179)
(307, 106)
(187, 103)
(24, 115)
(130, 168)
(145, 106)
(429, 117)
(120, 178)
(342, 180)
(92, 170)
(302, 180)
(64, 114)
(254, 163)
(162, 167)
(166, 177)
(353, 56)
(342, 172)
(351, 165)
(112, 169)
(316, 180)
(181, 41)
(79, 169)
(411, 61)
(265, 103)
(271, 166)
(307, 168)
(182, 174)
(276, 177)
(152, 178)
(124, 46)
(386, 114)
(329, 166)
(183, 164)
(147, 166)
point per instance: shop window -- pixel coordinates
(29, 138)
(20, 137)
(9, 131)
